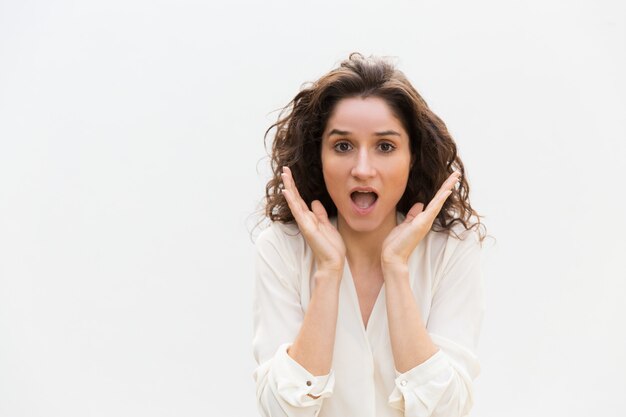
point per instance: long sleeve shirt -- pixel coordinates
(445, 277)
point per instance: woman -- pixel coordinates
(368, 298)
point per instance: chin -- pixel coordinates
(364, 223)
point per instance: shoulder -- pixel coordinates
(453, 238)
(439, 241)
(453, 249)
(461, 239)
(281, 234)
(282, 244)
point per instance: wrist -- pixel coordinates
(325, 274)
(333, 266)
(393, 259)
(395, 271)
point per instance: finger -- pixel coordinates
(298, 207)
(450, 182)
(320, 212)
(294, 206)
(291, 185)
(435, 205)
(448, 185)
(305, 219)
(414, 211)
(294, 200)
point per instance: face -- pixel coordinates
(366, 160)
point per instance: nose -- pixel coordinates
(363, 167)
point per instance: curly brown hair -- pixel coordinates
(301, 123)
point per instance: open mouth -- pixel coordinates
(364, 199)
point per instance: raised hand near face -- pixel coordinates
(405, 237)
(319, 233)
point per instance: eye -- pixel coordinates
(386, 147)
(342, 147)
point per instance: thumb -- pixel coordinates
(320, 212)
(415, 210)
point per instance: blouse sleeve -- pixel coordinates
(442, 385)
(283, 387)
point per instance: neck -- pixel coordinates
(364, 248)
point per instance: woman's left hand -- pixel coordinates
(405, 237)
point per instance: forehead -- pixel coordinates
(363, 115)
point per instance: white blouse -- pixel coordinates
(446, 280)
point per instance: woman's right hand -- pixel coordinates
(319, 233)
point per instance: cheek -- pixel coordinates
(398, 169)
(406, 168)
(336, 179)
(332, 178)
(398, 179)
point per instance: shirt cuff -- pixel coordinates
(295, 384)
(407, 382)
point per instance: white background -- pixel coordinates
(131, 165)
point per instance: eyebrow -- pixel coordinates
(346, 133)
(338, 132)
(387, 133)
